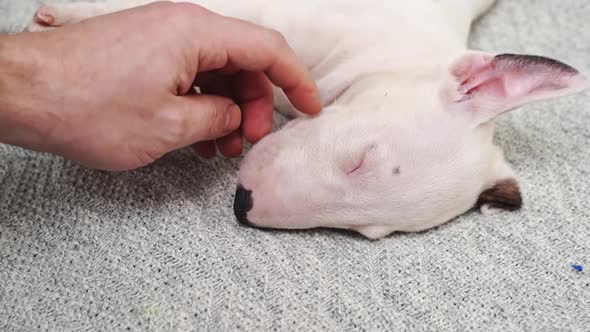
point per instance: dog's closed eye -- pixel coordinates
(357, 167)
(357, 164)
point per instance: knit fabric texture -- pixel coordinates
(158, 248)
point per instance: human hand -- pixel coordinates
(114, 92)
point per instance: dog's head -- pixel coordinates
(399, 153)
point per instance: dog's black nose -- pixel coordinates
(242, 204)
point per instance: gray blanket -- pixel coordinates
(159, 249)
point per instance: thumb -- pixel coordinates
(204, 117)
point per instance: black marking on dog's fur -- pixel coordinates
(243, 203)
(520, 61)
(505, 195)
(396, 170)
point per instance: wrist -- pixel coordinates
(20, 71)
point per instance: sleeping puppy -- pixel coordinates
(404, 142)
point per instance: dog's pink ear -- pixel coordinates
(490, 85)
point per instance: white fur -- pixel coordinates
(389, 74)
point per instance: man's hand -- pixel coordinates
(115, 92)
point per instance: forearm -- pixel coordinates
(20, 90)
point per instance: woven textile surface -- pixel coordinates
(159, 249)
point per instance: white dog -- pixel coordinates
(404, 142)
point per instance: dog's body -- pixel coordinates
(339, 40)
(405, 139)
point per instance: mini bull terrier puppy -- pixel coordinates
(404, 142)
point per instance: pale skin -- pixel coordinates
(115, 92)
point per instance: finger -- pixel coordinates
(231, 145)
(253, 92)
(263, 50)
(205, 149)
(197, 118)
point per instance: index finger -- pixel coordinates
(245, 46)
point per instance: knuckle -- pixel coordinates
(277, 38)
(174, 124)
(190, 10)
(162, 4)
(175, 11)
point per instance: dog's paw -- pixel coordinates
(489, 210)
(49, 17)
(43, 20)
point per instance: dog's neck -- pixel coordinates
(412, 76)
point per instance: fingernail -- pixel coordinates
(233, 117)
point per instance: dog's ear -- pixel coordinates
(504, 194)
(490, 85)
